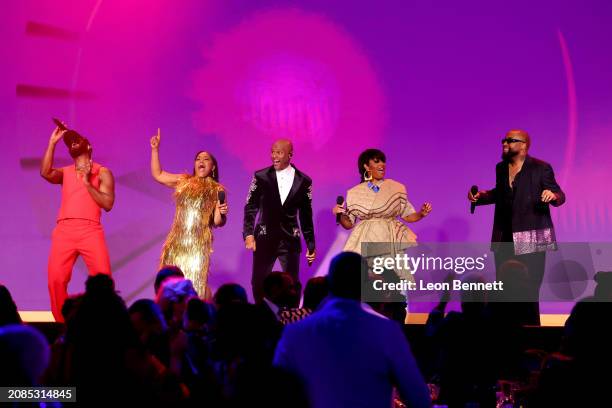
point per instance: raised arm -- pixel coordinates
(163, 177)
(52, 175)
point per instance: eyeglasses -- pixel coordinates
(511, 140)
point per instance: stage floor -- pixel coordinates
(548, 320)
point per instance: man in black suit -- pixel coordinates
(280, 194)
(525, 187)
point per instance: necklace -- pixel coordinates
(373, 187)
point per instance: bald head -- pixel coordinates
(284, 144)
(282, 151)
(520, 134)
(515, 145)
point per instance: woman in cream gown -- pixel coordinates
(376, 210)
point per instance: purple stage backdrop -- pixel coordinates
(433, 84)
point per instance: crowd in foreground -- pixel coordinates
(333, 351)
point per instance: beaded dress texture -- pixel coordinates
(189, 242)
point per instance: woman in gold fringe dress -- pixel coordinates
(189, 243)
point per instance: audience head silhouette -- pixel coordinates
(24, 354)
(8, 308)
(229, 293)
(280, 289)
(345, 276)
(315, 291)
(167, 271)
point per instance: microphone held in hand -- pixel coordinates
(59, 124)
(221, 197)
(339, 201)
(474, 191)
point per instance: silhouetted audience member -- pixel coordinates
(585, 325)
(578, 377)
(172, 299)
(465, 348)
(59, 349)
(71, 305)
(229, 293)
(24, 355)
(243, 332)
(508, 319)
(166, 271)
(280, 291)
(391, 303)
(348, 355)
(436, 315)
(199, 317)
(315, 292)
(280, 294)
(513, 305)
(603, 290)
(199, 324)
(244, 342)
(269, 387)
(102, 351)
(8, 308)
(151, 328)
(198, 373)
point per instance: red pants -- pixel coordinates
(71, 238)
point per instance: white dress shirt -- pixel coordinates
(284, 178)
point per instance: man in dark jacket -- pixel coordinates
(525, 187)
(281, 194)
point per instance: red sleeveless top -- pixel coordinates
(76, 200)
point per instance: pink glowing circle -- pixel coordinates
(291, 74)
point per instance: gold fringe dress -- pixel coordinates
(189, 243)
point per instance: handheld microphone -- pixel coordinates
(221, 196)
(339, 201)
(474, 191)
(59, 124)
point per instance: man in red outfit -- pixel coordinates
(86, 187)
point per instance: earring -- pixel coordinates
(367, 175)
